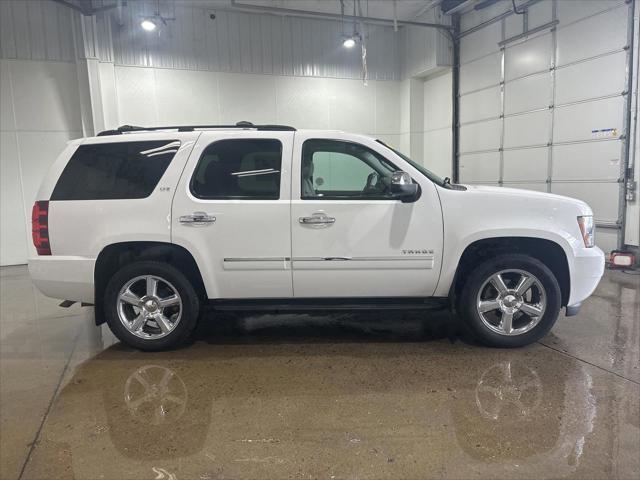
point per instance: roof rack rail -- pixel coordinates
(191, 128)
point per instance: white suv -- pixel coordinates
(149, 224)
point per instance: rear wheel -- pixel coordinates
(151, 306)
(510, 301)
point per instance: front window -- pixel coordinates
(334, 169)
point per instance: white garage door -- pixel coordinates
(547, 110)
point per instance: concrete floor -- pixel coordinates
(368, 395)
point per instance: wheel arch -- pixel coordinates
(112, 257)
(547, 251)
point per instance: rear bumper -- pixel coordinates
(586, 271)
(64, 277)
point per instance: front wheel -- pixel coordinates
(151, 306)
(510, 301)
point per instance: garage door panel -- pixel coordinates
(531, 56)
(481, 73)
(480, 105)
(587, 161)
(578, 122)
(599, 34)
(537, 187)
(591, 79)
(480, 136)
(539, 14)
(526, 164)
(527, 130)
(527, 94)
(570, 11)
(607, 238)
(601, 197)
(480, 43)
(480, 167)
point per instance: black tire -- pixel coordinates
(467, 303)
(188, 296)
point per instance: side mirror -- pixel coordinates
(403, 187)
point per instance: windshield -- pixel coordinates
(427, 173)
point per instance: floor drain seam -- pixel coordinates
(48, 410)
(562, 352)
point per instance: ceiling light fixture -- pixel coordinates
(148, 24)
(349, 42)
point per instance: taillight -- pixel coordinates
(40, 227)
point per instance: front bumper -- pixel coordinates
(586, 271)
(64, 277)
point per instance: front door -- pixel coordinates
(232, 212)
(349, 238)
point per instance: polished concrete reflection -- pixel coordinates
(367, 395)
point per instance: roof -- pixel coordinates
(190, 128)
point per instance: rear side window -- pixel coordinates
(110, 171)
(239, 169)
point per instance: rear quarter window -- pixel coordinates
(111, 171)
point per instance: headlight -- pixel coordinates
(587, 230)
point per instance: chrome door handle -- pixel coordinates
(318, 219)
(198, 218)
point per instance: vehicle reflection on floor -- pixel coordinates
(337, 395)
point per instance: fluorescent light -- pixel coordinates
(148, 24)
(349, 42)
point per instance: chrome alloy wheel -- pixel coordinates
(149, 307)
(511, 302)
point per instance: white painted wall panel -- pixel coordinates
(527, 129)
(175, 91)
(480, 136)
(595, 78)
(13, 228)
(480, 73)
(533, 55)
(247, 97)
(481, 167)
(587, 161)
(45, 96)
(387, 118)
(437, 101)
(136, 96)
(7, 120)
(596, 35)
(148, 96)
(528, 93)
(576, 122)
(351, 106)
(437, 151)
(525, 165)
(302, 102)
(480, 105)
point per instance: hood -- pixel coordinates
(532, 195)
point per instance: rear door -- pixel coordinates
(232, 212)
(349, 238)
